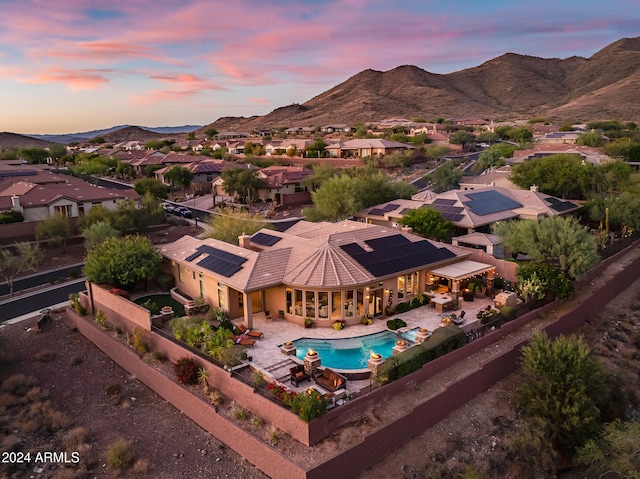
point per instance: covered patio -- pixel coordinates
(459, 273)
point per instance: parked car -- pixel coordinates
(169, 208)
(183, 211)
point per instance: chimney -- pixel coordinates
(533, 188)
(15, 203)
(244, 241)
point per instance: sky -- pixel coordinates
(70, 66)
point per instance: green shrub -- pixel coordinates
(186, 371)
(403, 307)
(165, 281)
(508, 313)
(101, 319)
(119, 454)
(140, 340)
(442, 341)
(12, 216)
(395, 323)
(258, 379)
(309, 404)
(151, 305)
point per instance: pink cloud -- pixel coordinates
(259, 101)
(75, 79)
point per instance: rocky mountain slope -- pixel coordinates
(606, 85)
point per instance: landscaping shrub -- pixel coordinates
(74, 300)
(258, 378)
(11, 216)
(119, 454)
(508, 313)
(101, 319)
(186, 371)
(140, 340)
(165, 281)
(395, 323)
(442, 341)
(309, 405)
(151, 305)
(403, 307)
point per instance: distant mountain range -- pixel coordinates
(604, 86)
(86, 135)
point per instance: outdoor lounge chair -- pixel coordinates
(330, 380)
(298, 375)
(243, 341)
(251, 333)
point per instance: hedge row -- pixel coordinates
(442, 341)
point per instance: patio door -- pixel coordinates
(375, 302)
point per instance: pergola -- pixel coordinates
(463, 270)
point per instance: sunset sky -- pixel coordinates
(76, 65)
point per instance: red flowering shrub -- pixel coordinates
(281, 393)
(186, 371)
(120, 292)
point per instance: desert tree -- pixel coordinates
(56, 230)
(25, 257)
(243, 183)
(427, 222)
(157, 188)
(446, 177)
(179, 176)
(97, 233)
(228, 225)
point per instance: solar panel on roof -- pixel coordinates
(391, 254)
(387, 241)
(563, 206)
(405, 211)
(220, 266)
(377, 212)
(552, 200)
(265, 239)
(453, 217)
(390, 207)
(443, 201)
(488, 202)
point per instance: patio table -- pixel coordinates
(439, 300)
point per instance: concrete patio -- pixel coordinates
(266, 354)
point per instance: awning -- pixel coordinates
(462, 270)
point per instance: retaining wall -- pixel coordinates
(266, 458)
(353, 461)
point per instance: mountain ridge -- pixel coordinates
(605, 85)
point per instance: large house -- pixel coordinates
(365, 147)
(470, 210)
(322, 271)
(40, 196)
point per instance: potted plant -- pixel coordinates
(338, 324)
(308, 322)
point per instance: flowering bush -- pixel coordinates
(338, 324)
(281, 393)
(120, 292)
(309, 405)
(186, 371)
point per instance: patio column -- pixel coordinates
(455, 293)
(247, 310)
(490, 277)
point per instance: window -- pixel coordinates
(289, 300)
(323, 304)
(64, 210)
(221, 296)
(310, 297)
(298, 305)
(401, 286)
(360, 302)
(181, 273)
(202, 290)
(348, 304)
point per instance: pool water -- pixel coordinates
(350, 353)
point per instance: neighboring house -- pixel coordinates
(204, 171)
(365, 147)
(337, 128)
(588, 154)
(559, 137)
(39, 197)
(498, 177)
(323, 271)
(300, 130)
(283, 185)
(471, 211)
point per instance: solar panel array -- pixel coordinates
(559, 205)
(265, 239)
(395, 253)
(447, 211)
(444, 201)
(488, 202)
(218, 261)
(383, 211)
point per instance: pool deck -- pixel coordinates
(266, 354)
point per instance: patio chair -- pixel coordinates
(298, 374)
(243, 341)
(251, 333)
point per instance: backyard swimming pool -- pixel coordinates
(350, 353)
